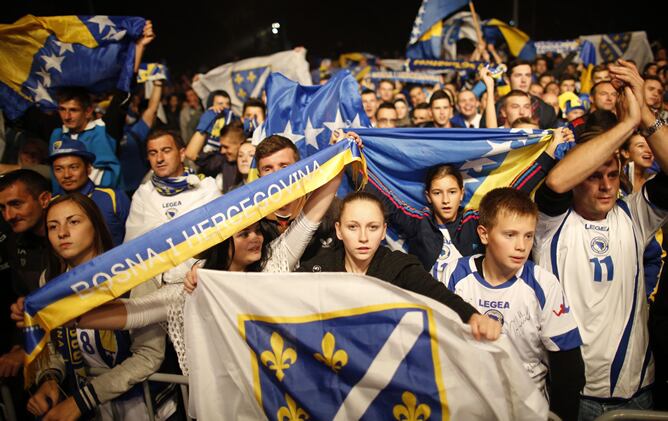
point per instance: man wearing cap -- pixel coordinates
(72, 165)
(76, 112)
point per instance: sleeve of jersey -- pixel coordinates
(106, 161)
(559, 332)
(649, 207)
(140, 131)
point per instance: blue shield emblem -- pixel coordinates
(315, 365)
(613, 46)
(245, 81)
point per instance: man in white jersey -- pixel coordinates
(526, 299)
(171, 191)
(594, 243)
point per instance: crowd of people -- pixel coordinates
(566, 262)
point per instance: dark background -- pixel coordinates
(198, 35)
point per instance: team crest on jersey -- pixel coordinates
(495, 314)
(445, 252)
(171, 213)
(599, 245)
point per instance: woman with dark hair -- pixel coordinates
(77, 233)
(361, 227)
(255, 248)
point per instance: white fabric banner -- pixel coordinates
(627, 45)
(245, 79)
(338, 346)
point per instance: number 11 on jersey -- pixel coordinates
(598, 268)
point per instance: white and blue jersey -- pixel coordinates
(530, 306)
(599, 264)
(448, 255)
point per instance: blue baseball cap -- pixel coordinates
(70, 147)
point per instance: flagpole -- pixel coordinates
(476, 24)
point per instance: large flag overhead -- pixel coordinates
(308, 115)
(627, 45)
(336, 346)
(246, 78)
(517, 41)
(120, 269)
(42, 54)
(426, 39)
(398, 159)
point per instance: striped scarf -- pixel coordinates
(171, 186)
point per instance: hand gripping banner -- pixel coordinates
(115, 272)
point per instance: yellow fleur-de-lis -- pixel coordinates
(334, 360)
(251, 76)
(278, 359)
(410, 410)
(291, 412)
(238, 78)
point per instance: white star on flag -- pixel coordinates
(294, 137)
(311, 134)
(54, 62)
(102, 22)
(468, 179)
(356, 122)
(338, 122)
(477, 164)
(115, 35)
(64, 47)
(498, 148)
(41, 93)
(46, 77)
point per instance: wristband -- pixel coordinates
(653, 128)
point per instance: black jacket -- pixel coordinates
(397, 268)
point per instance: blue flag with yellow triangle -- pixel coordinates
(42, 54)
(427, 34)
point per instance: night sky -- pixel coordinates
(202, 34)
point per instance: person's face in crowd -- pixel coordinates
(418, 96)
(254, 113)
(421, 116)
(229, 146)
(221, 101)
(245, 157)
(575, 113)
(536, 90)
(441, 111)
(596, 196)
(370, 103)
(165, 157)
(516, 107)
(192, 99)
(361, 227)
(402, 109)
(553, 100)
(520, 78)
(468, 104)
(508, 242)
(541, 67)
(276, 161)
(545, 79)
(386, 118)
(552, 88)
(71, 172)
(653, 93)
(600, 76)
(386, 91)
(71, 233)
(639, 152)
(247, 247)
(173, 102)
(445, 196)
(74, 116)
(21, 210)
(605, 97)
(567, 85)
(651, 70)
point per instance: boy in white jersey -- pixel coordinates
(594, 243)
(526, 299)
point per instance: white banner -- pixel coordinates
(338, 346)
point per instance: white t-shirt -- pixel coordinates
(599, 264)
(531, 308)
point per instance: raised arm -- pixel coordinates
(585, 158)
(153, 103)
(490, 111)
(658, 139)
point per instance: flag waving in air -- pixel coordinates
(42, 54)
